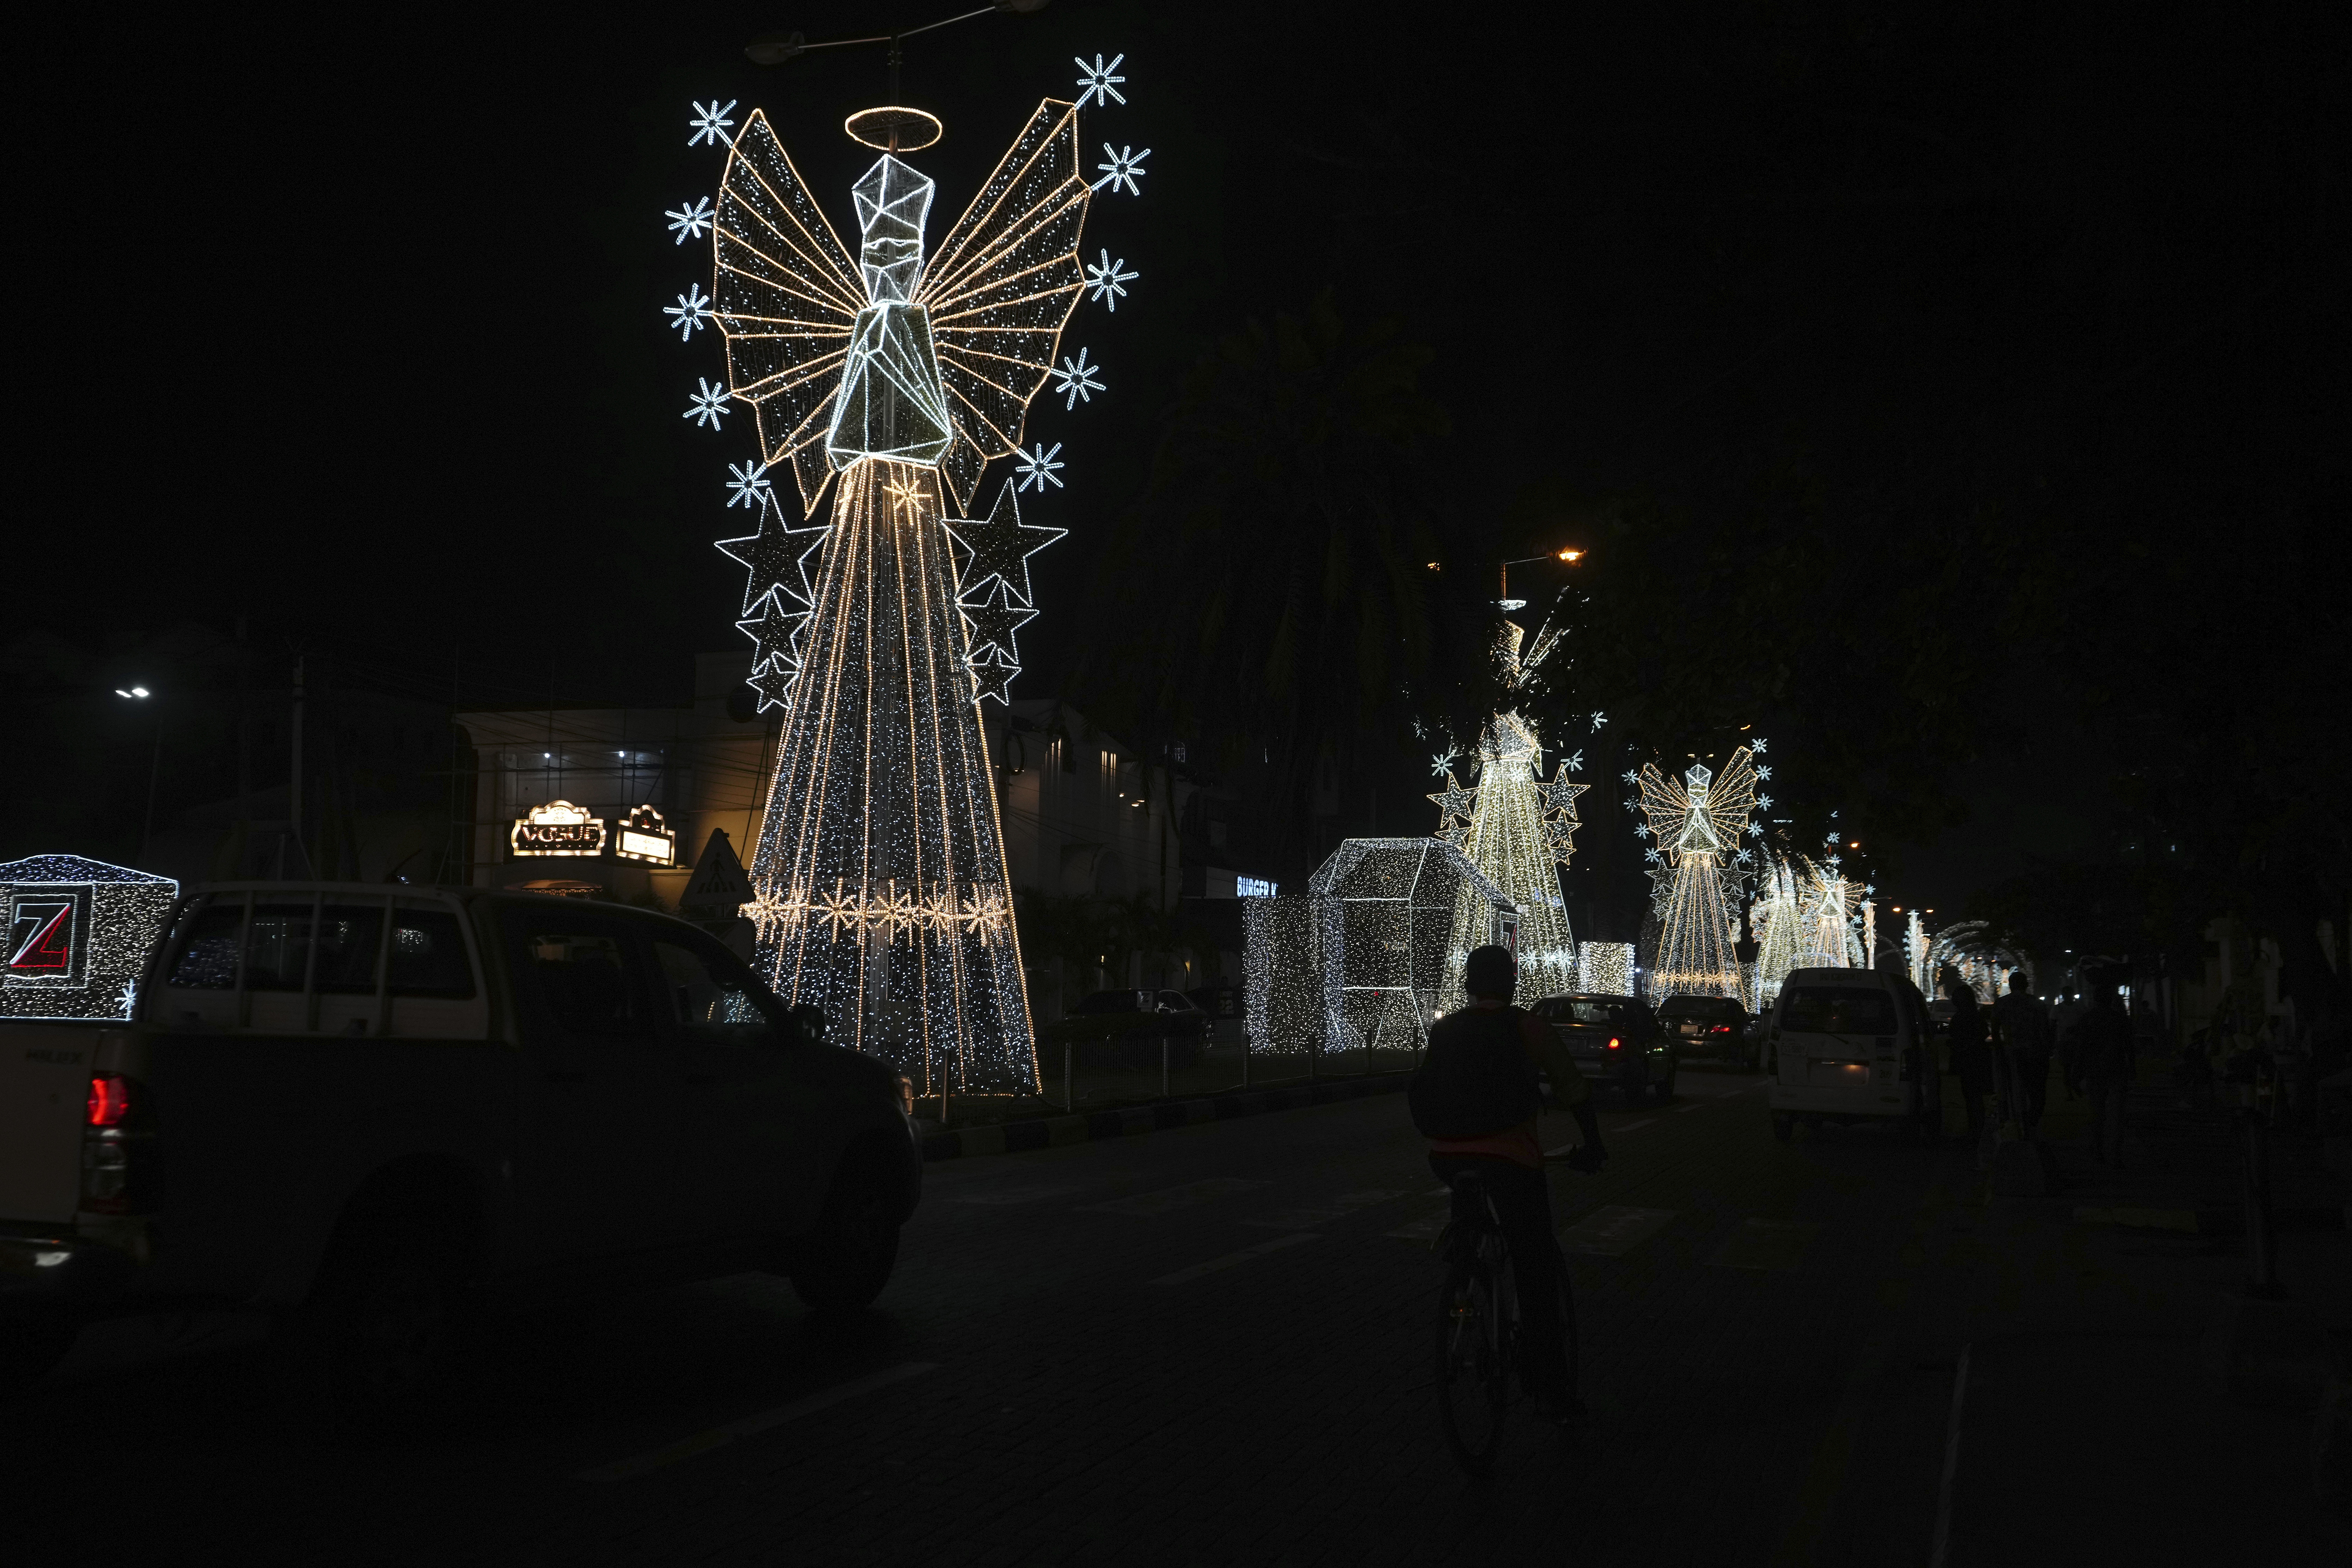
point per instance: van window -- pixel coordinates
(583, 978)
(711, 1000)
(428, 956)
(279, 947)
(208, 958)
(348, 935)
(1606, 1013)
(1837, 1010)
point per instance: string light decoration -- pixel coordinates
(1363, 961)
(79, 936)
(1698, 821)
(1829, 906)
(879, 886)
(1518, 829)
(1915, 953)
(1605, 968)
(1773, 920)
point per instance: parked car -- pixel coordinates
(1706, 1028)
(373, 1110)
(1616, 1041)
(1849, 1044)
(1125, 1027)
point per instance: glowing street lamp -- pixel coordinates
(154, 763)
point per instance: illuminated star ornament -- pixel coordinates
(885, 378)
(1125, 168)
(708, 406)
(692, 221)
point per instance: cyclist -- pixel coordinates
(1475, 1098)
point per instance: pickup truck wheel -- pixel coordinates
(29, 1348)
(846, 1263)
(378, 1340)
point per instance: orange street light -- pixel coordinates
(1571, 556)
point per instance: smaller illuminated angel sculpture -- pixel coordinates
(1773, 921)
(1829, 904)
(1517, 829)
(1698, 821)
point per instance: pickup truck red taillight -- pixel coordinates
(118, 1156)
(109, 1099)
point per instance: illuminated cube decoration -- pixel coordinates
(1363, 959)
(1518, 830)
(1605, 968)
(79, 932)
(879, 886)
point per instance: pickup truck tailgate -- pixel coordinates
(44, 1095)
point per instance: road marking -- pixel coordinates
(1233, 1259)
(1765, 1244)
(1296, 1219)
(751, 1426)
(1367, 1198)
(1687, 1109)
(1951, 1464)
(1424, 1229)
(1169, 1198)
(1635, 1126)
(1015, 1195)
(1612, 1230)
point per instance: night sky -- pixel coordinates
(351, 326)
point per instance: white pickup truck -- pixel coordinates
(378, 1109)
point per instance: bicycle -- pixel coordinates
(1478, 1324)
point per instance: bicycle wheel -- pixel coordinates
(1474, 1372)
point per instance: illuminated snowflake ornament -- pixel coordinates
(1077, 378)
(692, 221)
(1038, 468)
(1109, 283)
(1125, 168)
(710, 123)
(1096, 83)
(750, 484)
(692, 310)
(708, 406)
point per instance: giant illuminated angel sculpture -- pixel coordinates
(1697, 821)
(1830, 902)
(1518, 830)
(880, 886)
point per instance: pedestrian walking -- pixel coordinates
(1970, 1049)
(2028, 1038)
(2107, 1063)
(2068, 1024)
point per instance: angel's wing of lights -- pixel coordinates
(1664, 803)
(788, 301)
(1733, 796)
(1000, 288)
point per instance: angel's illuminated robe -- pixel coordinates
(880, 886)
(1825, 939)
(1697, 821)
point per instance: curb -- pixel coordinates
(1052, 1131)
(2199, 1222)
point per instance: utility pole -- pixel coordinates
(294, 777)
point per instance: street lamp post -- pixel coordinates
(154, 764)
(1571, 556)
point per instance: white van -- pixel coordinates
(1849, 1044)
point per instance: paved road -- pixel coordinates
(1204, 1346)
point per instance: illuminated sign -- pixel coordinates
(559, 827)
(78, 934)
(643, 837)
(1252, 888)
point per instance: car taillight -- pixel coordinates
(1613, 1042)
(1723, 1028)
(109, 1099)
(119, 1169)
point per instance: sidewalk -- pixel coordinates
(2086, 1429)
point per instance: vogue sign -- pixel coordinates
(559, 827)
